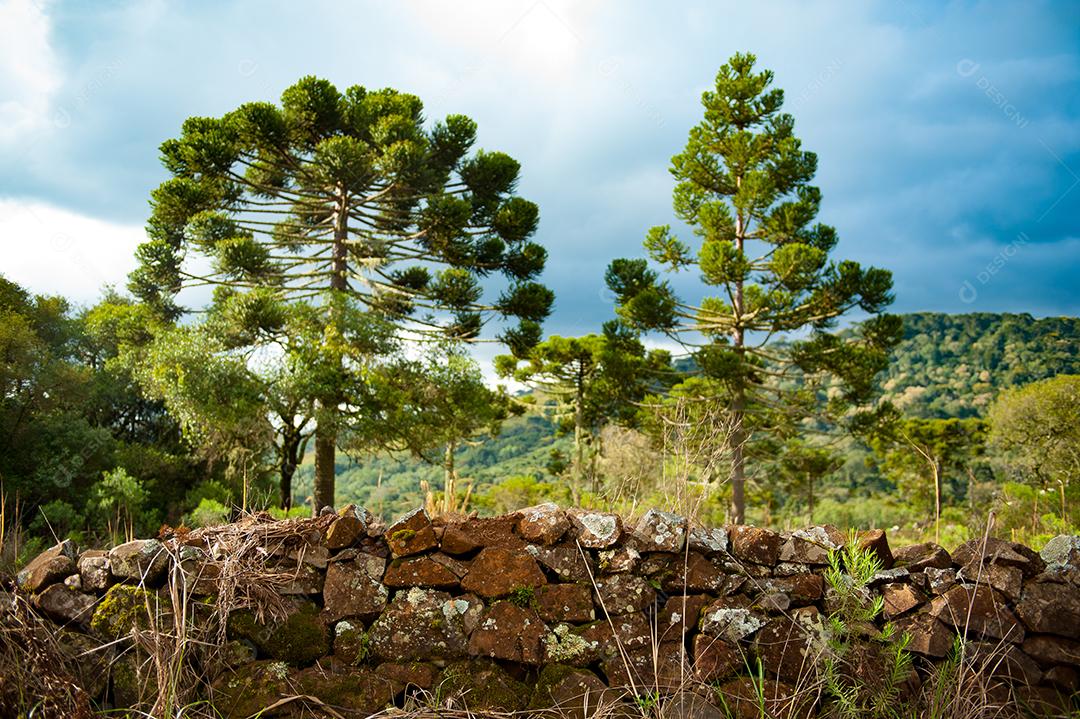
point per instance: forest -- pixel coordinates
(297, 334)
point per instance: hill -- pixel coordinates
(946, 366)
(954, 365)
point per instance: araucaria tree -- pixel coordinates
(345, 203)
(587, 383)
(743, 187)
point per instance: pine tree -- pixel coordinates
(346, 203)
(743, 187)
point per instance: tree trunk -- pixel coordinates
(450, 480)
(290, 451)
(326, 432)
(738, 405)
(810, 495)
(738, 468)
(324, 468)
(937, 500)
(579, 429)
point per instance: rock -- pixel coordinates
(623, 594)
(578, 647)
(680, 616)
(978, 609)
(1005, 578)
(939, 581)
(565, 603)
(143, 561)
(620, 559)
(810, 546)
(1064, 679)
(630, 631)
(411, 534)
(1048, 650)
(298, 638)
(877, 542)
(1050, 608)
(497, 572)
(716, 659)
(250, 688)
(354, 589)
(1003, 660)
(124, 608)
(350, 642)
(917, 557)
(363, 691)
(773, 602)
(51, 566)
(303, 579)
(930, 637)
(345, 531)
(543, 524)
(755, 545)
(1062, 552)
(421, 675)
(595, 530)
(998, 552)
(801, 589)
(661, 668)
(93, 566)
(692, 572)
(457, 541)
(481, 685)
(509, 632)
(788, 650)
(66, 605)
(659, 531)
(571, 692)
(886, 576)
(480, 532)
(420, 625)
(74, 582)
(708, 540)
(751, 698)
(688, 705)
(567, 563)
(419, 572)
(90, 660)
(730, 623)
(900, 599)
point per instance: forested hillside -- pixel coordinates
(953, 365)
(945, 366)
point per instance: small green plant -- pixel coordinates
(647, 701)
(869, 693)
(522, 596)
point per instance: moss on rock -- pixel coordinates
(485, 686)
(299, 639)
(122, 609)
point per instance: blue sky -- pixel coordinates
(948, 134)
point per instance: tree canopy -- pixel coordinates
(335, 203)
(743, 188)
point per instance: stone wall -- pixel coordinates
(549, 606)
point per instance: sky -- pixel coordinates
(947, 133)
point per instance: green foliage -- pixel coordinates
(955, 365)
(873, 691)
(585, 383)
(743, 187)
(119, 502)
(1036, 428)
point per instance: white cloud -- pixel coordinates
(29, 72)
(49, 250)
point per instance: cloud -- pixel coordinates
(50, 250)
(942, 131)
(29, 72)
